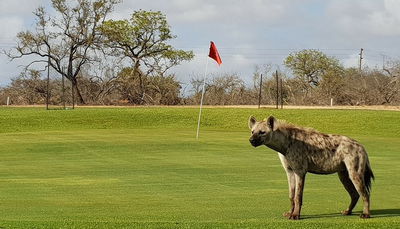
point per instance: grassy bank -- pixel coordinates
(142, 167)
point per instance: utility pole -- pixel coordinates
(73, 95)
(48, 83)
(277, 89)
(259, 95)
(361, 57)
(281, 89)
(63, 89)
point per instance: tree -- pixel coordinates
(258, 71)
(66, 39)
(165, 90)
(100, 82)
(392, 68)
(159, 89)
(310, 65)
(143, 40)
(28, 88)
(226, 89)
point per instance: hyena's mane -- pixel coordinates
(290, 129)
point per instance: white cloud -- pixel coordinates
(202, 13)
(386, 21)
(366, 17)
(19, 7)
(14, 16)
(351, 61)
(222, 11)
(10, 26)
(253, 32)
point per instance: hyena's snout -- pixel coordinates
(255, 141)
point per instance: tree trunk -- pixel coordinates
(77, 92)
(142, 88)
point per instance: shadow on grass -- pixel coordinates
(328, 215)
(385, 212)
(377, 213)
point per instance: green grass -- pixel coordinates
(143, 168)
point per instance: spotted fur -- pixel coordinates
(303, 150)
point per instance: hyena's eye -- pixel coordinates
(252, 132)
(262, 132)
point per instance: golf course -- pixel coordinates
(142, 167)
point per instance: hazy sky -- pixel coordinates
(247, 33)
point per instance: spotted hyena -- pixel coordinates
(303, 150)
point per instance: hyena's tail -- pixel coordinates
(368, 176)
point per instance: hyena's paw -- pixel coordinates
(294, 217)
(365, 216)
(346, 212)
(287, 214)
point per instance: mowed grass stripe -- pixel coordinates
(349, 122)
(156, 175)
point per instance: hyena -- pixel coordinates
(303, 150)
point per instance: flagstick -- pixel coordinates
(201, 101)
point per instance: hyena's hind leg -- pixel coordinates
(348, 185)
(356, 175)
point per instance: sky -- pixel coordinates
(246, 33)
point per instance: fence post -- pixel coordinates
(277, 89)
(63, 88)
(281, 89)
(73, 95)
(48, 83)
(259, 95)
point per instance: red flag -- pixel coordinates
(214, 53)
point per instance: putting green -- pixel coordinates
(143, 168)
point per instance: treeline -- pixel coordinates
(127, 62)
(350, 87)
(124, 89)
(314, 79)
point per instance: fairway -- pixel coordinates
(143, 168)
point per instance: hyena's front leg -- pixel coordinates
(292, 188)
(291, 183)
(298, 198)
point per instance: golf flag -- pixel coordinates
(214, 53)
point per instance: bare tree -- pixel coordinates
(66, 39)
(258, 71)
(159, 89)
(391, 86)
(27, 88)
(226, 89)
(100, 81)
(392, 68)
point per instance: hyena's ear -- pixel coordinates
(252, 121)
(272, 123)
